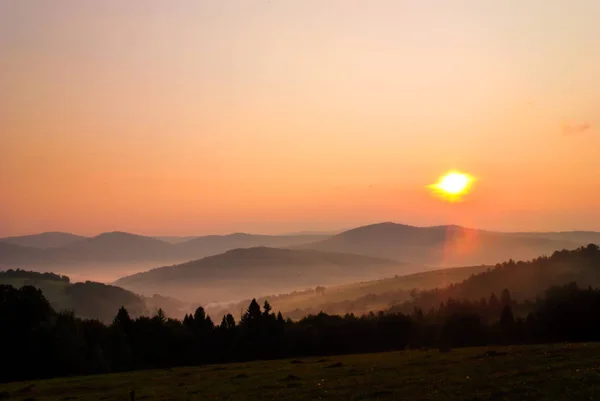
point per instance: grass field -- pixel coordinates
(548, 372)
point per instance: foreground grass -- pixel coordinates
(544, 372)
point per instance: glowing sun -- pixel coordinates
(453, 186)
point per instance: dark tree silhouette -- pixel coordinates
(122, 320)
(505, 298)
(252, 316)
(266, 309)
(506, 318)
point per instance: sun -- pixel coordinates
(454, 183)
(453, 186)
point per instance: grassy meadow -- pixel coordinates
(540, 372)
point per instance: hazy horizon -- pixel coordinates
(194, 118)
(300, 232)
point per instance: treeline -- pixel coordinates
(33, 277)
(39, 342)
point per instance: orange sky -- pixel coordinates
(277, 116)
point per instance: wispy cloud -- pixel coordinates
(575, 128)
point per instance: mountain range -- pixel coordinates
(44, 240)
(117, 253)
(445, 246)
(118, 247)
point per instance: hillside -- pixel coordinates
(114, 247)
(244, 272)
(44, 240)
(577, 237)
(442, 246)
(16, 254)
(526, 280)
(174, 239)
(358, 298)
(210, 245)
(86, 300)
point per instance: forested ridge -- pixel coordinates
(525, 279)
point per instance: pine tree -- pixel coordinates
(208, 324)
(266, 309)
(122, 320)
(199, 314)
(280, 321)
(160, 316)
(230, 321)
(493, 303)
(223, 325)
(506, 317)
(253, 314)
(202, 324)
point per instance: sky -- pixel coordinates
(196, 117)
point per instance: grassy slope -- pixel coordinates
(545, 372)
(346, 298)
(424, 280)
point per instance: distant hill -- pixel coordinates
(86, 300)
(245, 272)
(315, 232)
(44, 240)
(215, 244)
(525, 280)
(173, 239)
(577, 237)
(16, 254)
(442, 246)
(114, 246)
